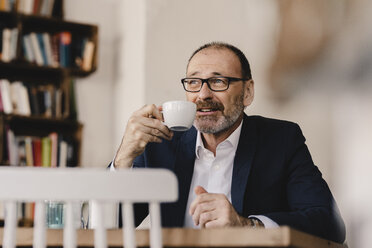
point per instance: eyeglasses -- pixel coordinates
(214, 83)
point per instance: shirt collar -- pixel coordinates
(233, 139)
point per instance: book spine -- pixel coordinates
(54, 148)
(28, 49)
(29, 152)
(45, 151)
(7, 33)
(12, 149)
(42, 48)
(62, 161)
(13, 43)
(5, 95)
(88, 56)
(36, 148)
(48, 49)
(36, 49)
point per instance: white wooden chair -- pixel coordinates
(71, 185)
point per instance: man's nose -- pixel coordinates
(205, 92)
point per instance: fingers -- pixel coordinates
(144, 126)
(212, 210)
(155, 127)
(150, 111)
(203, 213)
(199, 190)
(203, 198)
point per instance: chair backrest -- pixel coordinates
(71, 185)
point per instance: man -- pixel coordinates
(233, 169)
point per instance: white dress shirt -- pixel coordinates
(214, 173)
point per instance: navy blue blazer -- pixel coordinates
(273, 175)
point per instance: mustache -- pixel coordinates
(209, 104)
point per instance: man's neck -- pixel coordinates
(212, 140)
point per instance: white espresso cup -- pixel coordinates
(179, 115)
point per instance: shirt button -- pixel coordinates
(216, 167)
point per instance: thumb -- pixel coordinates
(199, 190)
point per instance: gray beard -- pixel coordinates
(214, 125)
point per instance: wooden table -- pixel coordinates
(179, 237)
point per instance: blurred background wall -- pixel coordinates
(311, 62)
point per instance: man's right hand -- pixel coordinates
(144, 126)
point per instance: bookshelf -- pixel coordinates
(40, 56)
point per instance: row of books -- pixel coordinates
(30, 7)
(59, 49)
(54, 150)
(33, 100)
(8, 44)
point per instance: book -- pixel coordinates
(64, 49)
(36, 49)
(62, 154)
(55, 49)
(13, 43)
(24, 101)
(49, 8)
(36, 148)
(36, 7)
(12, 148)
(21, 151)
(88, 56)
(32, 95)
(41, 99)
(48, 50)
(14, 92)
(1, 103)
(29, 151)
(58, 105)
(54, 149)
(27, 48)
(45, 151)
(5, 54)
(28, 6)
(5, 96)
(48, 102)
(42, 48)
(44, 7)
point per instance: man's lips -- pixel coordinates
(208, 107)
(207, 111)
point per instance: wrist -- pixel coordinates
(122, 163)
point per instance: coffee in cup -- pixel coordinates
(179, 115)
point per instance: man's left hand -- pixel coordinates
(214, 210)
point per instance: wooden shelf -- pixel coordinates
(24, 71)
(40, 126)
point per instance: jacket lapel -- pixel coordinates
(243, 162)
(184, 168)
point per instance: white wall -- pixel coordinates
(95, 93)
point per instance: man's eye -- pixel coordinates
(193, 82)
(218, 81)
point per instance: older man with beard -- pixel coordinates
(232, 169)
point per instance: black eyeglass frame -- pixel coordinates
(229, 80)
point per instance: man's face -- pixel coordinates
(218, 111)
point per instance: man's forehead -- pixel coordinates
(217, 61)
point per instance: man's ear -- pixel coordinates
(248, 92)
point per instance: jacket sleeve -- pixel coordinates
(312, 207)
